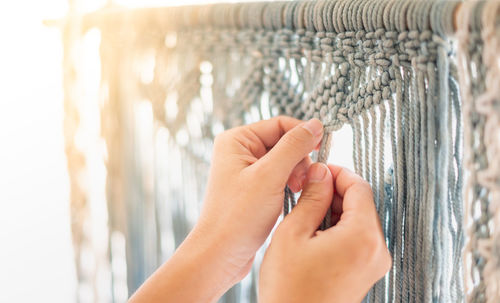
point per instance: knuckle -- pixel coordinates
(373, 240)
(382, 264)
(373, 249)
(278, 118)
(386, 262)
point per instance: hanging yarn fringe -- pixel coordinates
(385, 68)
(480, 78)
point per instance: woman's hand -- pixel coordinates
(339, 264)
(250, 167)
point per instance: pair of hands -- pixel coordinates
(250, 168)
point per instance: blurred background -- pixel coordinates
(68, 213)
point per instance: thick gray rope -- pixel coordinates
(349, 62)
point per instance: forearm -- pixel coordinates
(197, 272)
(244, 197)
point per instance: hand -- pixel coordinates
(250, 167)
(339, 264)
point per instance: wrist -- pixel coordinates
(196, 272)
(206, 256)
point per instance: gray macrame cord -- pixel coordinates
(421, 99)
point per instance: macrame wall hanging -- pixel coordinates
(416, 89)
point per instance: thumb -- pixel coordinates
(314, 201)
(292, 147)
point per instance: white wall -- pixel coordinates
(35, 243)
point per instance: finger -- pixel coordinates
(271, 130)
(343, 178)
(294, 146)
(257, 138)
(299, 173)
(356, 194)
(313, 203)
(358, 200)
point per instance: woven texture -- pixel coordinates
(480, 78)
(386, 69)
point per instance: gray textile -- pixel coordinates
(385, 68)
(479, 51)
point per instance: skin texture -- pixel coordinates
(250, 167)
(339, 264)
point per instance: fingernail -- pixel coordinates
(317, 172)
(314, 126)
